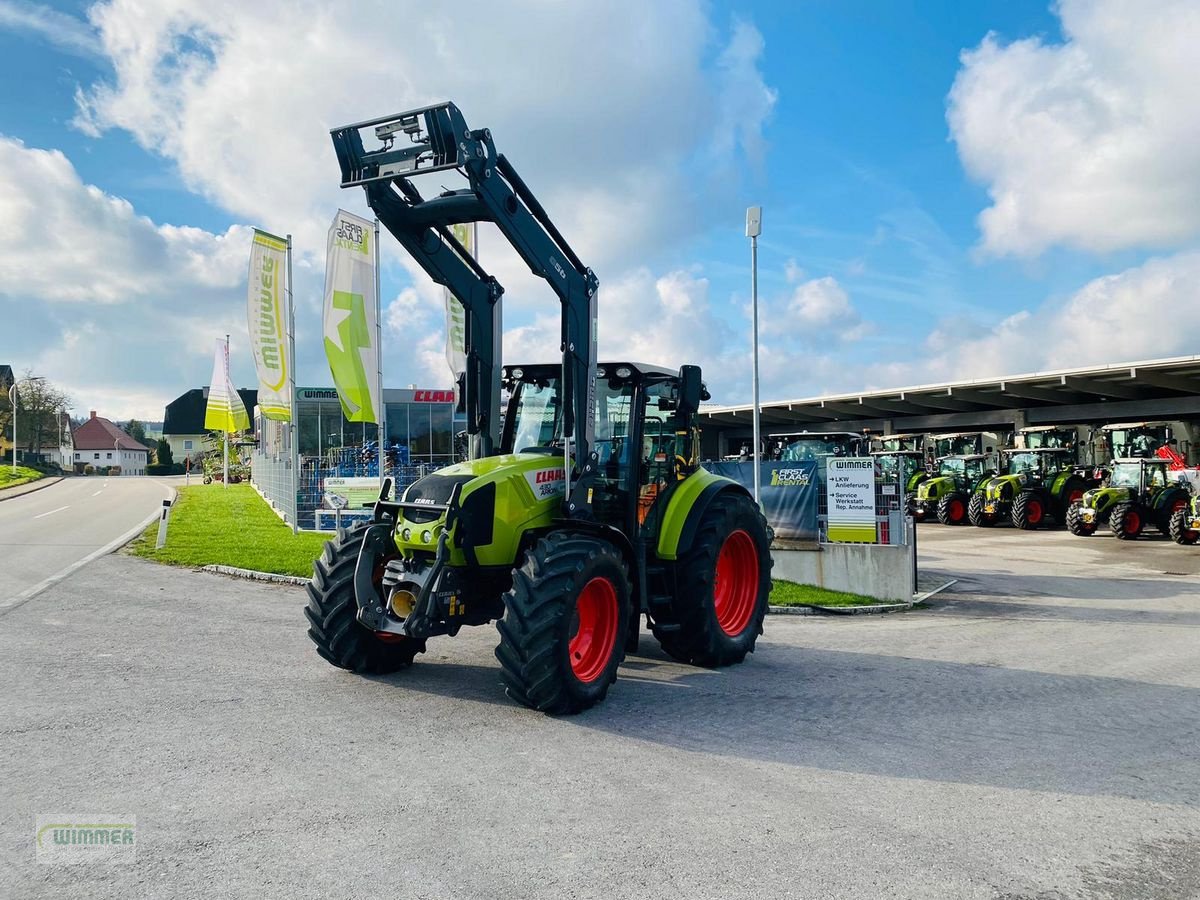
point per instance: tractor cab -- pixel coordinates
(966, 469)
(906, 467)
(901, 443)
(1035, 465)
(947, 491)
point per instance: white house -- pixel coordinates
(101, 444)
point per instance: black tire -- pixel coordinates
(1075, 523)
(720, 632)
(911, 508)
(332, 613)
(1127, 520)
(1072, 493)
(1179, 531)
(1029, 510)
(541, 616)
(1163, 516)
(952, 509)
(976, 515)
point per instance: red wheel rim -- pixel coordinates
(956, 510)
(1133, 522)
(595, 629)
(1074, 497)
(735, 583)
(1033, 512)
(1178, 505)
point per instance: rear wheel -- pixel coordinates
(1164, 515)
(1075, 523)
(332, 613)
(975, 513)
(565, 620)
(1029, 510)
(952, 510)
(1126, 521)
(723, 586)
(1178, 529)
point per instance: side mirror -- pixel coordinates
(690, 390)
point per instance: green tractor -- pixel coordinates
(1184, 526)
(1138, 492)
(586, 510)
(947, 494)
(904, 467)
(1037, 485)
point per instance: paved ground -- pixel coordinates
(42, 532)
(1034, 734)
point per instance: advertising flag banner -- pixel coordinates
(225, 411)
(351, 297)
(267, 315)
(850, 500)
(456, 315)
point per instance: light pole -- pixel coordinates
(753, 230)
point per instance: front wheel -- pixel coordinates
(565, 621)
(332, 613)
(723, 585)
(1180, 533)
(975, 513)
(1029, 510)
(1075, 523)
(1126, 521)
(952, 510)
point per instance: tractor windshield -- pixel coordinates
(889, 467)
(815, 448)
(974, 468)
(538, 416)
(1020, 463)
(1125, 475)
(952, 467)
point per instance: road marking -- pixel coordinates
(9, 605)
(97, 493)
(52, 512)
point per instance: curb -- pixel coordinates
(29, 487)
(253, 575)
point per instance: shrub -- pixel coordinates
(173, 469)
(88, 470)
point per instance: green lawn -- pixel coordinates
(788, 593)
(24, 474)
(230, 526)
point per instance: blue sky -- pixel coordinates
(874, 134)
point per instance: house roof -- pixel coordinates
(185, 414)
(98, 433)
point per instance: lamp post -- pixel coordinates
(753, 230)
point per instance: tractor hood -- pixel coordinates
(1004, 487)
(935, 488)
(1103, 498)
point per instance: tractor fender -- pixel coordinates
(686, 508)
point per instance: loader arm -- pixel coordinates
(436, 138)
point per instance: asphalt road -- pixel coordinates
(1033, 734)
(46, 531)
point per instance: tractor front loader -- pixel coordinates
(587, 510)
(1138, 492)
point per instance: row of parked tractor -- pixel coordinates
(1126, 476)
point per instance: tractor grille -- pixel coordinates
(434, 488)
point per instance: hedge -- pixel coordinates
(173, 469)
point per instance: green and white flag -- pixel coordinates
(351, 297)
(267, 314)
(456, 314)
(225, 411)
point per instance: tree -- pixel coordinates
(162, 453)
(136, 430)
(39, 407)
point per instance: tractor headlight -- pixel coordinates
(426, 536)
(406, 534)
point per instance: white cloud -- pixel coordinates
(65, 32)
(241, 97)
(1092, 143)
(1144, 312)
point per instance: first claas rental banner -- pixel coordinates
(267, 315)
(788, 493)
(349, 319)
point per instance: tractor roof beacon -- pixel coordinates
(582, 508)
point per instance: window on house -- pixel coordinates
(187, 445)
(108, 456)
(95, 456)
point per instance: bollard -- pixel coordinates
(162, 525)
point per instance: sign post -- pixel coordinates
(850, 500)
(163, 519)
